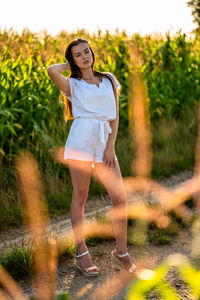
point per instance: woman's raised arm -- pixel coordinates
(58, 79)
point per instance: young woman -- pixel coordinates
(92, 101)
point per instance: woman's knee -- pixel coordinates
(119, 199)
(80, 195)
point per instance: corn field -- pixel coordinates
(29, 107)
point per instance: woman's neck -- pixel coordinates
(87, 74)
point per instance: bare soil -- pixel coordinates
(106, 285)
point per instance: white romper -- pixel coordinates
(92, 107)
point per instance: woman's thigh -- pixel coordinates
(80, 172)
(112, 181)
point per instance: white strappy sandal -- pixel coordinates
(117, 264)
(86, 271)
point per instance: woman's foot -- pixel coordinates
(125, 260)
(84, 262)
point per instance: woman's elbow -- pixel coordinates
(49, 70)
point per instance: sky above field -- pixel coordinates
(142, 16)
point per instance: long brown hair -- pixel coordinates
(76, 73)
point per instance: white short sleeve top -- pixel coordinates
(88, 100)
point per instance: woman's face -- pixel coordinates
(82, 55)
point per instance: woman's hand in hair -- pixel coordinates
(68, 66)
(59, 67)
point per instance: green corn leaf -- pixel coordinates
(11, 128)
(6, 112)
(18, 125)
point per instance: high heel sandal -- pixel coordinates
(86, 271)
(117, 264)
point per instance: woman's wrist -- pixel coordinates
(110, 144)
(60, 67)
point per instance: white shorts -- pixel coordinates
(87, 139)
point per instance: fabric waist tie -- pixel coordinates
(104, 127)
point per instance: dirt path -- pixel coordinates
(81, 287)
(61, 224)
(106, 286)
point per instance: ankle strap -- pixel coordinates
(82, 254)
(132, 268)
(122, 255)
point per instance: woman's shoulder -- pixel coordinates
(108, 74)
(73, 79)
(113, 78)
(111, 75)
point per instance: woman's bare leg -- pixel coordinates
(112, 180)
(80, 175)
